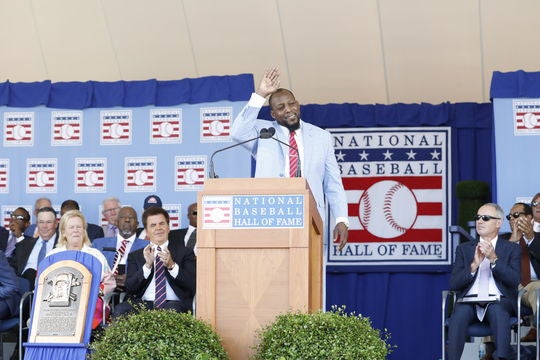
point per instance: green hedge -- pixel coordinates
(332, 335)
(157, 335)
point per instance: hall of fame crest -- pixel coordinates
(66, 127)
(397, 186)
(140, 174)
(90, 175)
(526, 117)
(116, 127)
(19, 128)
(165, 126)
(190, 172)
(4, 176)
(41, 175)
(216, 124)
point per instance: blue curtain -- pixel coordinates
(405, 303)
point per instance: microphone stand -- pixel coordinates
(263, 134)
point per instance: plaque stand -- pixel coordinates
(61, 318)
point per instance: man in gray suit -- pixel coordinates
(315, 150)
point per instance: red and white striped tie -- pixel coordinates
(293, 155)
(119, 255)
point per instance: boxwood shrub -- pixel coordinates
(157, 335)
(332, 335)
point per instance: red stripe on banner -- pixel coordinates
(354, 209)
(423, 208)
(412, 182)
(412, 235)
(428, 208)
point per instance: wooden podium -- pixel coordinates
(259, 254)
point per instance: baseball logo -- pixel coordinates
(530, 120)
(387, 209)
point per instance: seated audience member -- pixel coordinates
(110, 207)
(485, 275)
(94, 231)
(187, 236)
(18, 222)
(162, 275)
(522, 233)
(30, 251)
(73, 236)
(31, 230)
(9, 289)
(116, 249)
(149, 201)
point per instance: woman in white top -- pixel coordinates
(73, 236)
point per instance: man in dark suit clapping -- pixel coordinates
(162, 275)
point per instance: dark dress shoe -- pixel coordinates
(530, 337)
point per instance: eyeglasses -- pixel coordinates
(514, 215)
(535, 203)
(111, 210)
(194, 213)
(17, 217)
(485, 217)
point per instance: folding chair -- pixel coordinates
(476, 329)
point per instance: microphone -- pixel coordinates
(263, 134)
(111, 249)
(299, 169)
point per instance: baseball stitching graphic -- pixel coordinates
(387, 209)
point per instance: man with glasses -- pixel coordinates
(110, 207)
(29, 252)
(187, 236)
(18, 223)
(485, 276)
(521, 225)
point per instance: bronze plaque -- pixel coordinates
(62, 295)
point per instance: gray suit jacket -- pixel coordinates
(319, 164)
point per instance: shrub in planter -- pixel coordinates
(332, 335)
(157, 334)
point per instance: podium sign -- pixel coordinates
(259, 254)
(253, 211)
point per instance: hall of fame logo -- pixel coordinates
(18, 129)
(217, 212)
(166, 126)
(216, 124)
(526, 117)
(140, 174)
(4, 176)
(41, 175)
(190, 172)
(116, 127)
(174, 215)
(90, 175)
(397, 186)
(66, 128)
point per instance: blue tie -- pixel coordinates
(42, 251)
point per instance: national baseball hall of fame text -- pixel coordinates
(397, 186)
